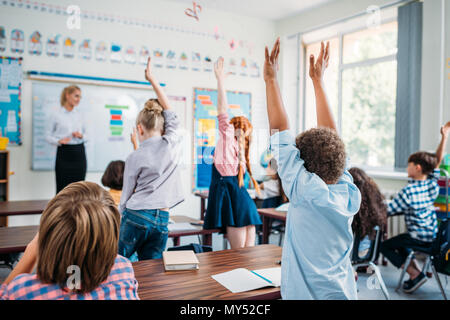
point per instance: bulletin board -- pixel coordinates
(10, 100)
(205, 128)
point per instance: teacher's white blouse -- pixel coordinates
(63, 123)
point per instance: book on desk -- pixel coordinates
(180, 260)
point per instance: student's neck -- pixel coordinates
(150, 134)
(68, 107)
(421, 177)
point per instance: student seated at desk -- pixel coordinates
(113, 179)
(76, 252)
(271, 190)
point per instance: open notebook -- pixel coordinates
(241, 279)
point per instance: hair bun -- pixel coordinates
(153, 105)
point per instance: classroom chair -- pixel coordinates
(430, 253)
(370, 258)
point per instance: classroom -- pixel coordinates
(260, 149)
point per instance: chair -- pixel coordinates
(430, 252)
(370, 258)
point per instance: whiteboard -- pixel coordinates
(108, 139)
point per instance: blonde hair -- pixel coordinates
(80, 226)
(243, 131)
(68, 90)
(151, 117)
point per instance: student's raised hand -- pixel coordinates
(148, 73)
(271, 62)
(134, 139)
(218, 69)
(445, 130)
(317, 69)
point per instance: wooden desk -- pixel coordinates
(203, 197)
(156, 284)
(206, 234)
(268, 215)
(16, 239)
(13, 208)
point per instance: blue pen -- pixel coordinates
(261, 277)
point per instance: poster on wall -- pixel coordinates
(158, 58)
(53, 46)
(69, 48)
(144, 53)
(205, 129)
(254, 70)
(2, 39)
(183, 62)
(116, 53)
(232, 66)
(17, 41)
(243, 68)
(196, 61)
(207, 64)
(101, 51)
(34, 44)
(10, 99)
(171, 62)
(130, 55)
(85, 50)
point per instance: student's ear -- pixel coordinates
(140, 130)
(419, 168)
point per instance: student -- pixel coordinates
(316, 260)
(113, 179)
(151, 183)
(416, 202)
(271, 189)
(78, 234)
(372, 211)
(230, 207)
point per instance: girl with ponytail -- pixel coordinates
(230, 207)
(151, 179)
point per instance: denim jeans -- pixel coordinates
(143, 231)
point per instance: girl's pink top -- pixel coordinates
(226, 157)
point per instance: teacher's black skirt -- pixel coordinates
(70, 165)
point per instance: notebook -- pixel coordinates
(241, 279)
(180, 260)
(283, 207)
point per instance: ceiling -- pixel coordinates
(263, 9)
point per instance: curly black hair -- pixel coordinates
(323, 152)
(373, 211)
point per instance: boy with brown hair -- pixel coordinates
(75, 251)
(416, 202)
(323, 198)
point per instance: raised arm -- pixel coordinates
(162, 98)
(222, 103)
(316, 71)
(440, 151)
(278, 120)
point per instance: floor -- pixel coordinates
(367, 286)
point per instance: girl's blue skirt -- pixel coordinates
(229, 205)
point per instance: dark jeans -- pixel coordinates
(397, 249)
(143, 231)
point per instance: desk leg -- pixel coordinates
(202, 208)
(207, 239)
(266, 229)
(176, 241)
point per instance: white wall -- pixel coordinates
(27, 184)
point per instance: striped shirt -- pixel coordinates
(226, 158)
(416, 201)
(120, 285)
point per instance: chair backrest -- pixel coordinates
(374, 249)
(441, 248)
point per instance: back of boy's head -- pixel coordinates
(79, 227)
(151, 117)
(427, 161)
(323, 152)
(113, 175)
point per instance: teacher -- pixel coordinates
(68, 132)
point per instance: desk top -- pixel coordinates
(155, 283)
(16, 239)
(272, 213)
(189, 232)
(11, 208)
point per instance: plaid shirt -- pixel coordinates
(416, 201)
(120, 285)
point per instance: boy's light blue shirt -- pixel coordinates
(316, 252)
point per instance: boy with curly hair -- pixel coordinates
(316, 260)
(416, 202)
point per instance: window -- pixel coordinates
(361, 87)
